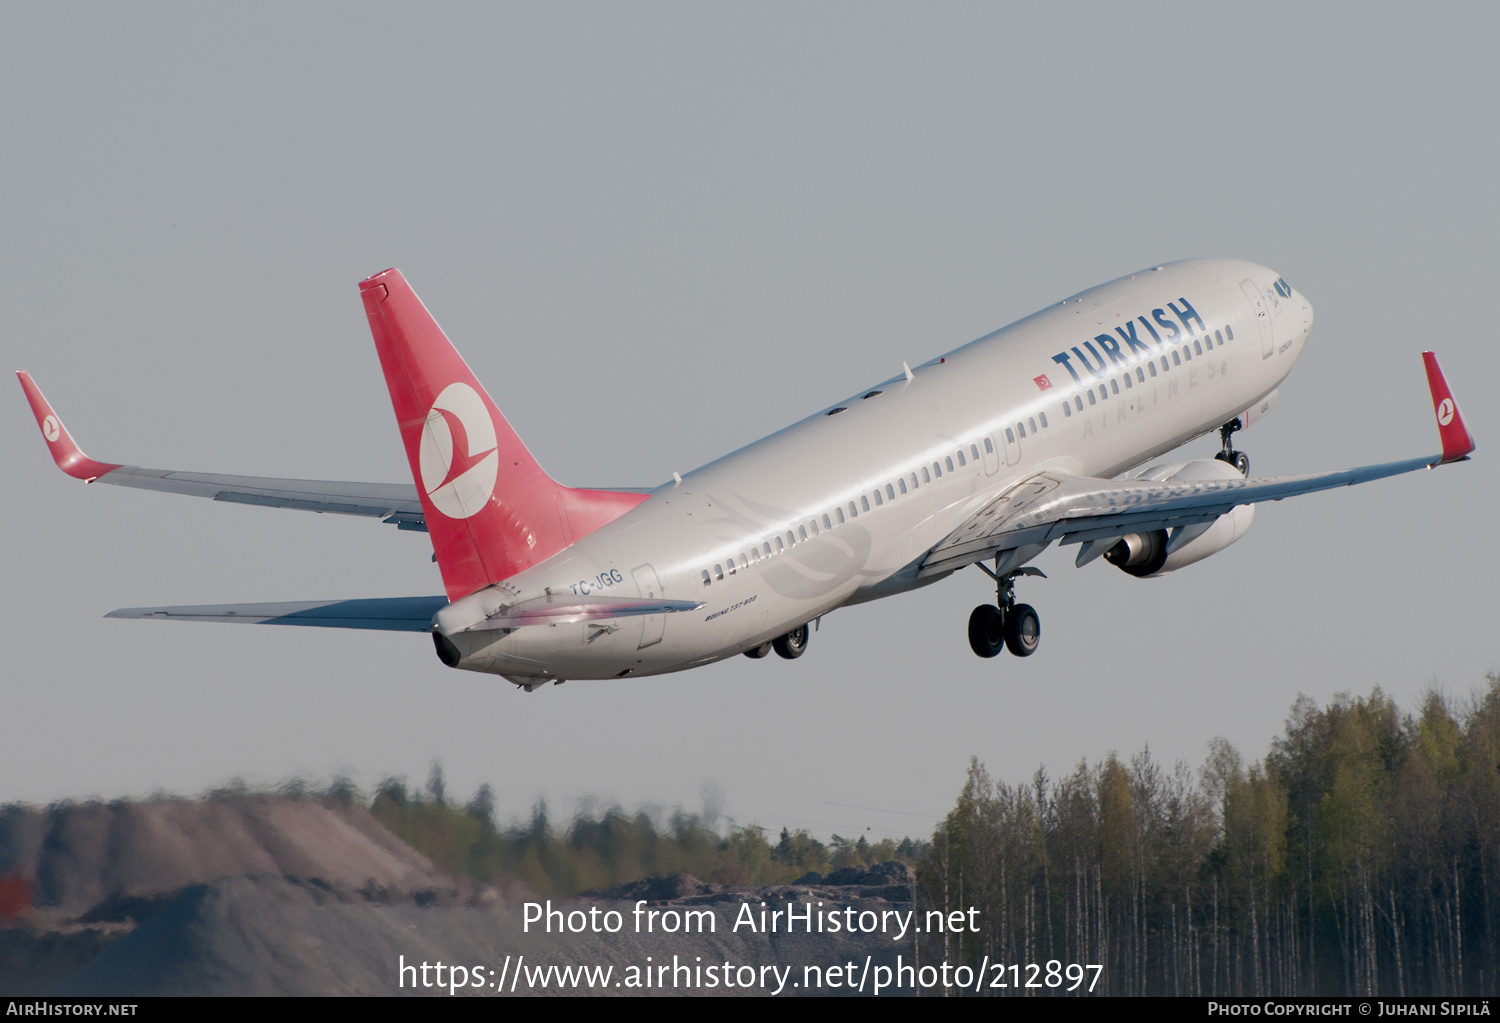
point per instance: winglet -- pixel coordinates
(1457, 444)
(65, 452)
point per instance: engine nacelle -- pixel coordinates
(1145, 554)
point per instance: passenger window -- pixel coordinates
(839, 514)
(812, 525)
(1010, 435)
(1114, 387)
(780, 547)
(1152, 367)
(1176, 359)
(926, 476)
(1128, 383)
(864, 502)
(1197, 348)
(989, 447)
(1032, 421)
(914, 481)
(961, 459)
(1218, 338)
(1187, 356)
(902, 484)
(706, 579)
(974, 450)
(1067, 410)
(827, 522)
(1021, 430)
(1044, 418)
(1078, 401)
(802, 533)
(878, 501)
(1103, 392)
(853, 511)
(1091, 398)
(768, 548)
(791, 541)
(719, 572)
(890, 491)
(1164, 366)
(949, 461)
(731, 566)
(1140, 375)
(755, 555)
(1229, 332)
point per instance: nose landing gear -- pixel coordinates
(1238, 459)
(1005, 623)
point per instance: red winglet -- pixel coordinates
(64, 452)
(1457, 444)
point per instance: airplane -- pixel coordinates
(985, 456)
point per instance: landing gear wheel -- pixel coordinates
(987, 630)
(792, 644)
(1238, 459)
(757, 652)
(1023, 630)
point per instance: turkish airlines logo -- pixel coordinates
(1042, 383)
(51, 429)
(459, 460)
(1445, 411)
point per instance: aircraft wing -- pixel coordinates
(1053, 506)
(384, 614)
(396, 503)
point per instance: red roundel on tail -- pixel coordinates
(490, 509)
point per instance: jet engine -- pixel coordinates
(1151, 553)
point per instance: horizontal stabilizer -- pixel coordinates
(385, 614)
(555, 609)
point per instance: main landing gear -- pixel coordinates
(1005, 623)
(1238, 459)
(791, 646)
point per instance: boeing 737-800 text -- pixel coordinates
(984, 456)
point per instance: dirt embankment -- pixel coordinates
(260, 896)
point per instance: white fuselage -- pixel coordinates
(842, 507)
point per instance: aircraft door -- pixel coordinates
(1262, 318)
(652, 626)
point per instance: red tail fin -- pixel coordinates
(490, 508)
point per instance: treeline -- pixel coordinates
(596, 851)
(1355, 858)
